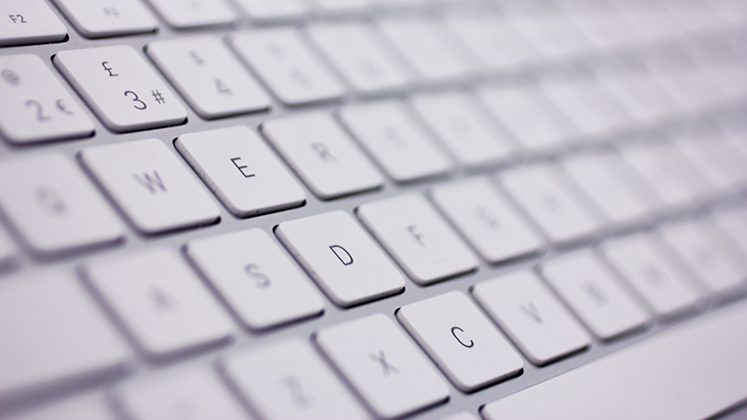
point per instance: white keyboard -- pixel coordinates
(352, 209)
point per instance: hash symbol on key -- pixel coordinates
(158, 97)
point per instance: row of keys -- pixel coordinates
(167, 311)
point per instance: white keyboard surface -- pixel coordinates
(351, 209)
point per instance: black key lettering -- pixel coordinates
(532, 311)
(595, 292)
(17, 19)
(140, 104)
(241, 168)
(161, 301)
(158, 97)
(222, 88)
(106, 67)
(386, 366)
(111, 11)
(342, 254)
(323, 152)
(50, 200)
(152, 183)
(62, 107)
(413, 229)
(299, 398)
(11, 77)
(252, 270)
(196, 57)
(39, 115)
(465, 344)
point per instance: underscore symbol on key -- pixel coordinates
(158, 97)
(385, 365)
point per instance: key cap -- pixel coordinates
(418, 238)
(488, 222)
(121, 88)
(595, 296)
(549, 204)
(386, 369)
(641, 96)
(733, 222)
(79, 408)
(285, 64)
(54, 336)
(494, 40)
(401, 147)
(590, 108)
(287, 380)
(8, 252)
(720, 163)
(37, 107)
(341, 258)
(186, 14)
(664, 286)
(428, 47)
(53, 206)
(551, 34)
(601, 25)
(146, 181)
(646, 380)
(273, 9)
(208, 76)
(191, 394)
(461, 340)
(353, 48)
(607, 187)
(323, 155)
(539, 325)
(160, 301)
(29, 22)
(529, 114)
(701, 250)
(95, 19)
(462, 126)
(263, 286)
(665, 171)
(241, 170)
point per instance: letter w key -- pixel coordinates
(152, 182)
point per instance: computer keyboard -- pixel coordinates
(344, 209)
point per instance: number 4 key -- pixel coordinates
(121, 88)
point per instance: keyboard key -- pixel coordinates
(661, 282)
(160, 301)
(341, 258)
(208, 76)
(701, 247)
(531, 316)
(54, 336)
(461, 340)
(113, 18)
(641, 96)
(185, 14)
(594, 111)
(323, 155)
(399, 145)
(287, 380)
(418, 238)
(29, 22)
(664, 170)
(720, 163)
(121, 88)
(530, 115)
(600, 24)
(37, 107)
(672, 375)
(463, 127)
(600, 177)
(54, 208)
(155, 191)
(494, 40)
(488, 222)
(551, 34)
(284, 62)
(192, 394)
(353, 48)
(549, 203)
(273, 9)
(386, 368)
(263, 286)
(594, 295)
(241, 170)
(733, 222)
(79, 408)
(428, 47)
